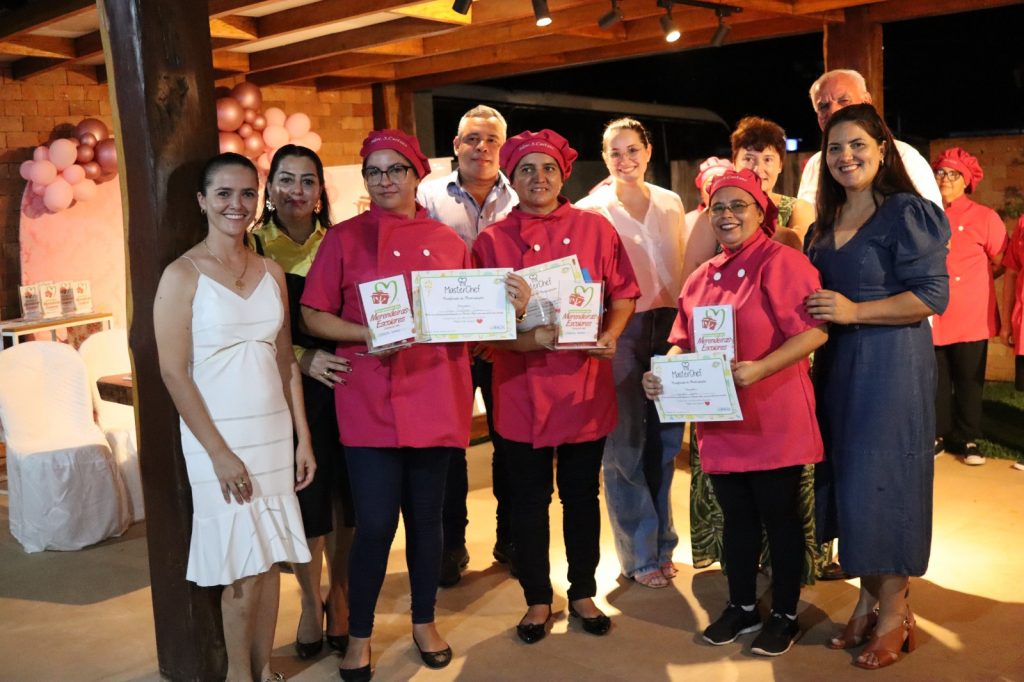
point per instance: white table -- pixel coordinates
(15, 329)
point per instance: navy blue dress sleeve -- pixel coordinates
(920, 246)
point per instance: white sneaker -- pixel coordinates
(974, 460)
(1019, 466)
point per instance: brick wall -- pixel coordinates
(42, 108)
(1002, 189)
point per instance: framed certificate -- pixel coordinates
(696, 387)
(463, 305)
(545, 280)
(388, 313)
(579, 319)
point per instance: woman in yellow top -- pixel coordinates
(296, 216)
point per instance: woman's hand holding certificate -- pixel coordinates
(692, 387)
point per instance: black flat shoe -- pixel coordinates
(363, 674)
(434, 659)
(531, 633)
(453, 561)
(598, 625)
(306, 650)
(338, 643)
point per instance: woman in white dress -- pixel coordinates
(226, 359)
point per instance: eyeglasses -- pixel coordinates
(395, 173)
(952, 175)
(737, 208)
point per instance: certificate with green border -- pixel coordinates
(462, 305)
(696, 387)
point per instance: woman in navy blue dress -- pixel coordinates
(881, 251)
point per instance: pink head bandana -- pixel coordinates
(959, 160)
(545, 142)
(397, 141)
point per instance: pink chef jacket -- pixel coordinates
(766, 283)
(548, 398)
(978, 237)
(420, 396)
(1013, 259)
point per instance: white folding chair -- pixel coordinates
(106, 353)
(65, 489)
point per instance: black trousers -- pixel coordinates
(531, 482)
(961, 372)
(456, 516)
(749, 500)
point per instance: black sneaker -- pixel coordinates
(940, 445)
(733, 622)
(452, 563)
(505, 553)
(972, 455)
(776, 637)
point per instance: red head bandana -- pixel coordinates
(545, 142)
(959, 160)
(397, 141)
(712, 167)
(747, 181)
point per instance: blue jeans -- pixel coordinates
(639, 455)
(384, 481)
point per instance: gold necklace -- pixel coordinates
(239, 284)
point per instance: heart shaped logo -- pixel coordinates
(714, 318)
(479, 321)
(707, 402)
(581, 295)
(384, 292)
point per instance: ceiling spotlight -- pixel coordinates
(668, 26)
(611, 17)
(721, 32)
(540, 11)
(461, 6)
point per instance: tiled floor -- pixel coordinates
(87, 615)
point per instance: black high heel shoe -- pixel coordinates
(434, 659)
(306, 650)
(532, 633)
(363, 674)
(598, 625)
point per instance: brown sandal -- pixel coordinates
(887, 647)
(856, 632)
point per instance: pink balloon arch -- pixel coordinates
(68, 169)
(247, 129)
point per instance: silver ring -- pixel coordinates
(241, 483)
(327, 373)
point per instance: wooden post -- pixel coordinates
(159, 64)
(393, 108)
(857, 44)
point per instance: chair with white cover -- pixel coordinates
(106, 353)
(65, 489)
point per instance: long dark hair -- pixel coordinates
(324, 216)
(891, 178)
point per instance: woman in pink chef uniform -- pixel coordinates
(547, 401)
(961, 333)
(755, 464)
(400, 415)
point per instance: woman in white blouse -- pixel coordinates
(639, 454)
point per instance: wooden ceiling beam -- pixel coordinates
(222, 8)
(402, 48)
(84, 47)
(231, 62)
(317, 68)
(327, 83)
(324, 13)
(36, 15)
(235, 27)
(38, 46)
(347, 41)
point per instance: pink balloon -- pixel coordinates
(84, 190)
(91, 126)
(74, 174)
(263, 163)
(248, 95)
(92, 170)
(297, 125)
(245, 130)
(63, 153)
(37, 189)
(59, 195)
(41, 153)
(231, 142)
(85, 154)
(230, 114)
(25, 169)
(250, 115)
(254, 146)
(43, 172)
(106, 155)
(275, 136)
(310, 140)
(88, 139)
(275, 117)
(105, 177)
(259, 123)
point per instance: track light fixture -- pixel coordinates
(722, 31)
(461, 6)
(611, 17)
(668, 24)
(541, 13)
